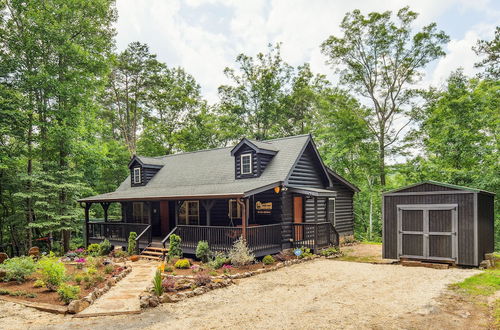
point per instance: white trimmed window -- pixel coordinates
(189, 213)
(331, 210)
(137, 175)
(246, 163)
(234, 209)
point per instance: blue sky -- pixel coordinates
(205, 36)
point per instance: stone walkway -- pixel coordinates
(123, 298)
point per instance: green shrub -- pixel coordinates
(212, 273)
(174, 249)
(157, 283)
(219, 259)
(99, 278)
(108, 269)
(30, 295)
(104, 248)
(86, 278)
(306, 252)
(203, 251)
(169, 269)
(78, 279)
(329, 251)
(182, 264)
(120, 254)
(18, 269)
(4, 292)
(38, 284)
(52, 272)
(268, 260)
(94, 249)
(240, 254)
(202, 279)
(132, 244)
(67, 292)
(91, 270)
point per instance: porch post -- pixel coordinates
(316, 225)
(105, 207)
(87, 216)
(208, 204)
(243, 218)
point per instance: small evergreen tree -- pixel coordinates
(175, 249)
(131, 242)
(203, 251)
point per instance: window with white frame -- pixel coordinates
(234, 209)
(137, 175)
(331, 210)
(189, 213)
(246, 163)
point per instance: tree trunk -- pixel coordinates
(29, 170)
(382, 158)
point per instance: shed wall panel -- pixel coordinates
(486, 220)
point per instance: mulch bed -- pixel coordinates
(43, 295)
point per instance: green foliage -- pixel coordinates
(67, 292)
(99, 278)
(240, 254)
(174, 248)
(52, 272)
(182, 264)
(268, 260)
(486, 283)
(157, 283)
(78, 278)
(91, 270)
(329, 251)
(104, 248)
(38, 284)
(108, 269)
(306, 252)
(132, 244)
(169, 269)
(5, 292)
(203, 251)
(18, 269)
(218, 260)
(94, 249)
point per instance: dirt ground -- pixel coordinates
(317, 294)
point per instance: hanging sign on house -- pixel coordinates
(264, 208)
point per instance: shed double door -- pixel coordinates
(428, 231)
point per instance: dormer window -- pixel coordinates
(246, 164)
(137, 175)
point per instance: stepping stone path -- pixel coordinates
(123, 298)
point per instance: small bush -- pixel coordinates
(268, 260)
(212, 273)
(108, 269)
(18, 269)
(4, 292)
(203, 251)
(120, 254)
(240, 254)
(95, 262)
(202, 279)
(30, 295)
(218, 260)
(157, 283)
(132, 244)
(52, 272)
(94, 249)
(38, 284)
(86, 278)
(168, 269)
(99, 278)
(67, 292)
(91, 270)
(329, 251)
(182, 264)
(306, 252)
(104, 248)
(168, 284)
(78, 279)
(174, 249)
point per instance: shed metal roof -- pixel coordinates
(443, 184)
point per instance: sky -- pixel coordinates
(205, 36)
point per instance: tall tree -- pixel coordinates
(491, 51)
(380, 60)
(56, 52)
(130, 83)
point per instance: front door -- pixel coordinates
(428, 231)
(164, 218)
(298, 217)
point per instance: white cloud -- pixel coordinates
(183, 34)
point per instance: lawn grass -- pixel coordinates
(369, 259)
(496, 314)
(485, 284)
(371, 242)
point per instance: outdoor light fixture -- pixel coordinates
(277, 189)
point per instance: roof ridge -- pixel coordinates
(286, 137)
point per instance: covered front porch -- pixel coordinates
(270, 220)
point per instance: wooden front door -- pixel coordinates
(298, 217)
(164, 218)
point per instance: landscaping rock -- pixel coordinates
(154, 301)
(76, 306)
(144, 302)
(3, 257)
(183, 284)
(199, 291)
(34, 252)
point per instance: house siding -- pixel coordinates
(307, 172)
(344, 209)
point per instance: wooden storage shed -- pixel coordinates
(436, 221)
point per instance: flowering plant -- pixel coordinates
(80, 262)
(227, 267)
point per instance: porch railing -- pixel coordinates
(314, 235)
(221, 238)
(117, 231)
(145, 237)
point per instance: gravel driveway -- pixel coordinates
(317, 294)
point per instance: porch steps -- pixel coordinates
(153, 253)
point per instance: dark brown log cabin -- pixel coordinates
(277, 194)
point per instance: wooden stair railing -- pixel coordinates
(164, 241)
(146, 231)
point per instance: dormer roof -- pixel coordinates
(259, 147)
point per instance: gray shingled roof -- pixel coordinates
(208, 173)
